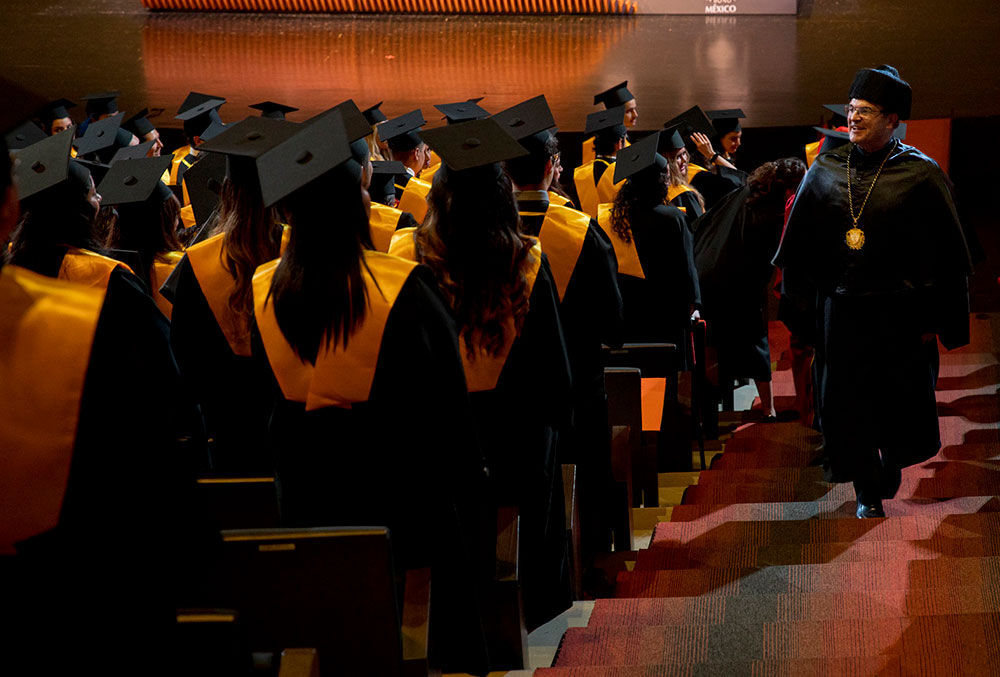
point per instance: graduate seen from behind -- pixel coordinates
(501, 292)
(874, 254)
(370, 422)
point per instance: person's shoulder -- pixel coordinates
(914, 158)
(668, 212)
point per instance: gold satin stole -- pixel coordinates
(625, 252)
(88, 268)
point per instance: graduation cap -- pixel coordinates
(270, 109)
(196, 98)
(102, 103)
(832, 138)
(529, 122)
(615, 96)
(213, 130)
(24, 135)
(401, 133)
(131, 181)
(726, 120)
(639, 156)
(203, 181)
(56, 110)
(100, 135)
(690, 121)
(610, 122)
(839, 118)
(471, 144)
(98, 170)
(307, 154)
(383, 178)
(245, 142)
(463, 110)
(138, 124)
(374, 115)
(43, 165)
(132, 152)
(671, 139)
(198, 117)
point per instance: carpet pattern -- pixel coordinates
(765, 570)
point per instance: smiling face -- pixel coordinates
(731, 142)
(869, 126)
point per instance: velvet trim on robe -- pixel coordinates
(482, 371)
(341, 376)
(42, 322)
(88, 268)
(217, 283)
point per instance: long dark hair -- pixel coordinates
(318, 290)
(252, 233)
(642, 192)
(471, 238)
(770, 182)
(148, 228)
(60, 215)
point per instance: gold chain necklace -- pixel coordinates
(855, 238)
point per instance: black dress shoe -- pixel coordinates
(868, 511)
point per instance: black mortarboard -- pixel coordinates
(374, 115)
(43, 165)
(202, 108)
(832, 138)
(203, 181)
(474, 143)
(609, 122)
(463, 110)
(528, 123)
(726, 120)
(356, 127)
(245, 142)
(131, 181)
(615, 96)
(102, 103)
(401, 133)
(99, 135)
(690, 121)
(56, 110)
(839, 118)
(197, 118)
(310, 152)
(383, 177)
(24, 135)
(195, 98)
(639, 156)
(138, 124)
(132, 152)
(270, 109)
(98, 170)
(213, 130)
(670, 139)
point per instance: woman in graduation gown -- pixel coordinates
(100, 531)
(502, 295)
(680, 193)
(371, 421)
(211, 291)
(656, 272)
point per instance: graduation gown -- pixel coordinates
(595, 184)
(733, 248)
(870, 307)
(684, 199)
(715, 183)
(585, 271)
(656, 275)
(98, 478)
(379, 433)
(212, 346)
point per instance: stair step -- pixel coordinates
(884, 666)
(792, 510)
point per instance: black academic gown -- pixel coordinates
(518, 424)
(234, 402)
(871, 306)
(717, 182)
(658, 307)
(688, 203)
(733, 248)
(406, 458)
(591, 316)
(130, 539)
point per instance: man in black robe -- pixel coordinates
(874, 255)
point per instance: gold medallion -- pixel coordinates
(855, 238)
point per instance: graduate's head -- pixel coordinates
(403, 137)
(101, 105)
(774, 182)
(645, 173)
(148, 214)
(879, 100)
(619, 95)
(608, 129)
(145, 131)
(530, 123)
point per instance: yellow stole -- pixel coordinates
(341, 376)
(187, 216)
(217, 284)
(557, 199)
(482, 371)
(694, 170)
(674, 191)
(383, 221)
(179, 155)
(414, 199)
(404, 244)
(47, 328)
(592, 194)
(812, 151)
(88, 268)
(625, 252)
(163, 265)
(562, 234)
(428, 174)
(587, 151)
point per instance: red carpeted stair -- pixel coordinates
(765, 570)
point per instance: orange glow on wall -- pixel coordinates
(403, 6)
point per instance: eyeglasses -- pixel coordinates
(863, 111)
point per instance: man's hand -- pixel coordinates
(704, 145)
